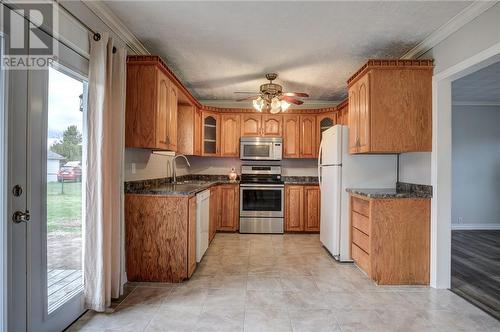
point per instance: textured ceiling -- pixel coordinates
(217, 48)
(482, 86)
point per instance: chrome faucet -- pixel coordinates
(174, 170)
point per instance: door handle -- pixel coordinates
(20, 216)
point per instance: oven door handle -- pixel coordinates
(262, 186)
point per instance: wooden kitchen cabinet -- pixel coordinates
(230, 135)
(189, 130)
(294, 208)
(312, 203)
(251, 124)
(343, 113)
(151, 107)
(291, 136)
(215, 211)
(160, 233)
(272, 125)
(390, 107)
(267, 125)
(191, 263)
(302, 208)
(230, 208)
(390, 239)
(308, 147)
(210, 132)
(324, 122)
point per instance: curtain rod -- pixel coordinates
(95, 35)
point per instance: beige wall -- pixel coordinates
(152, 166)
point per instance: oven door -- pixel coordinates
(260, 200)
(256, 151)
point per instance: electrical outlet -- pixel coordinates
(133, 168)
(460, 220)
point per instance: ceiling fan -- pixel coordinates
(271, 97)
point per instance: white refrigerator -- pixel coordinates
(339, 170)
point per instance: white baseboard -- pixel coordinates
(475, 226)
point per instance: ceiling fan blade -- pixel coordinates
(292, 100)
(246, 92)
(296, 94)
(247, 98)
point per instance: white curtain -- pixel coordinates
(104, 223)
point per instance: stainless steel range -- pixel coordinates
(261, 199)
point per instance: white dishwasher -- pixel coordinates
(202, 223)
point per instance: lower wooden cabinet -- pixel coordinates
(230, 208)
(160, 237)
(302, 208)
(215, 207)
(390, 239)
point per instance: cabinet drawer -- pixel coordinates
(361, 258)
(360, 206)
(361, 240)
(361, 222)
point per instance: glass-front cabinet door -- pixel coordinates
(211, 134)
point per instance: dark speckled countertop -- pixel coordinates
(402, 190)
(189, 185)
(300, 180)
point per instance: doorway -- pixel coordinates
(45, 193)
(475, 212)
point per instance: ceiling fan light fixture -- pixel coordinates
(258, 104)
(284, 105)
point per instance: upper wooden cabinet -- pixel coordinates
(299, 136)
(308, 136)
(390, 107)
(251, 124)
(291, 136)
(343, 113)
(324, 122)
(230, 135)
(271, 125)
(151, 107)
(210, 133)
(188, 130)
(261, 125)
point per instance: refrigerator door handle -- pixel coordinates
(319, 164)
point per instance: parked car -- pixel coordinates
(69, 172)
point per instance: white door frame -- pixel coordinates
(441, 161)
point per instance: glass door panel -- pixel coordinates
(64, 195)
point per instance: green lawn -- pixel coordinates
(64, 206)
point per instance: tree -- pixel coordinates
(70, 146)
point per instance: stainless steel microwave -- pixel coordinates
(261, 148)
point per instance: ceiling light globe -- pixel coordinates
(258, 104)
(284, 105)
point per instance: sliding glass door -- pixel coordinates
(47, 132)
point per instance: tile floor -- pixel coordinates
(283, 283)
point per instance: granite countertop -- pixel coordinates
(402, 190)
(300, 179)
(187, 185)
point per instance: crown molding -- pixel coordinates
(465, 16)
(116, 25)
(308, 104)
(476, 103)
